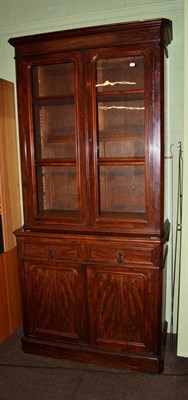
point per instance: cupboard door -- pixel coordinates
(54, 169)
(54, 306)
(123, 308)
(119, 136)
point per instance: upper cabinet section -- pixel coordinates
(91, 127)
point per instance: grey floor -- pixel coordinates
(29, 377)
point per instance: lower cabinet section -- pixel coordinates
(107, 312)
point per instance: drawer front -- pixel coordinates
(51, 250)
(120, 254)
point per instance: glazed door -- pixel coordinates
(56, 141)
(119, 140)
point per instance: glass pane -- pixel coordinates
(57, 188)
(122, 189)
(121, 127)
(55, 131)
(122, 73)
(53, 80)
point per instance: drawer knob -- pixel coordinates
(120, 257)
(50, 252)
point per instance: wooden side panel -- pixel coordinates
(9, 178)
(10, 305)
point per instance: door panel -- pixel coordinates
(55, 300)
(122, 308)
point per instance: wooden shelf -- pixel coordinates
(62, 139)
(53, 100)
(121, 161)
(55, 162)
(122, 136)
(123, 95)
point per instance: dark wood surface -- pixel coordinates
(92, 249)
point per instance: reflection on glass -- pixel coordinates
(115, 107)
(108, 83)
(121, 73)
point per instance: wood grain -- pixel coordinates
(9, 174)
(10, 304)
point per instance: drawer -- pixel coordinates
(51, 250)
(120, 254)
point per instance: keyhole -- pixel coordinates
(120, 257)
(50, 252)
